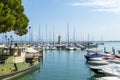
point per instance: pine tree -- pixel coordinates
(12, 17)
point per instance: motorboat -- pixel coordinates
(99, 55)
(111, 71)
(108, 78)
(114, 60)
(103, 62)
(96, 59)
(97, 69)
(93, 50)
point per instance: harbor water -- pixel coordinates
(65, 65)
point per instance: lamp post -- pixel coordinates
(11, 40)
(6, 39)
(29, 34)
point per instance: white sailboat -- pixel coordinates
(75, 47)
(69, 46)
(46, 46)
(53, 47)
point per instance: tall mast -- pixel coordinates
(74, 35)
(49, 37)
(88, 37)
(53, 35)
(68, 31)
(81, 37)
(102, 38)
(46, 33)
(39, 34)
(32, 36)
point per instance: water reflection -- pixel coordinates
(60, 65)
(64, 65)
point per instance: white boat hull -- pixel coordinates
(95, 59)
(111, 72)
(108, 78)
(98, 62)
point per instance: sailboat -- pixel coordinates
(75, 46)
(89, 44)
(46, 45)
(69, 46)
(53, 47)
(102, 43)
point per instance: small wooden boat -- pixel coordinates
(13, 62)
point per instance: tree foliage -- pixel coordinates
(12, 17)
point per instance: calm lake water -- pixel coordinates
(65, 65)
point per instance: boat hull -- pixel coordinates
(108, 78)
(95, 70)
(18, 73)
(98, 62)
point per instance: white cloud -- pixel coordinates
(101, 5)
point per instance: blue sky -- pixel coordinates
(94, 17)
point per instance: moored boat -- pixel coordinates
(93, 50)
(13, 62)
(108, 78)
(98, 62)
(111, 71)
(97, 69)
(99, 55)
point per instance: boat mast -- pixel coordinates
(46, 33)
(74, 35)
(39, 34)
(81, 37)
(49, 37)
(53, 36)
(102, 38)
(88, 37)
(68, 31)
(32, 36)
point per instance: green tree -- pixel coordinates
(12, 17)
